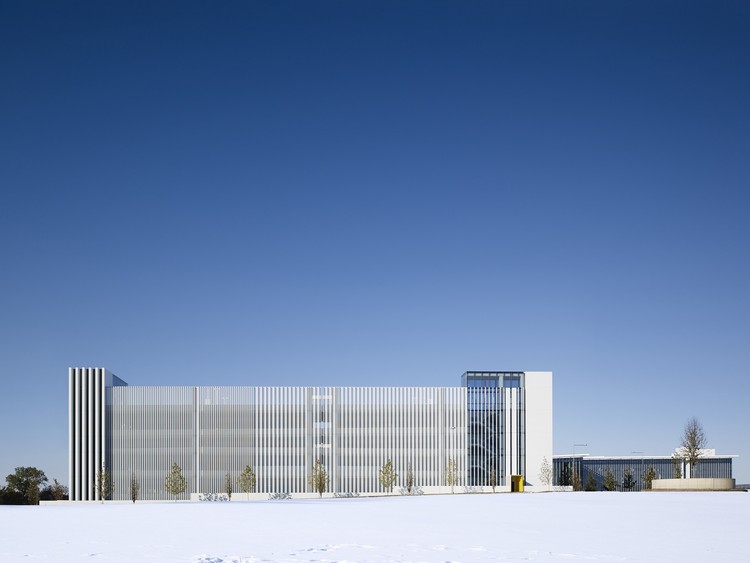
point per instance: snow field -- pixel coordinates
(679, 527)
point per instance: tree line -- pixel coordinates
(175, 482)
(29, 485)
(319, 479)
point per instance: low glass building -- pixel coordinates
(629, 471)
(495, 424)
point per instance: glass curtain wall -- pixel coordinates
(628, 473)
(495, 426)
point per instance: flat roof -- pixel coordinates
(638, 457)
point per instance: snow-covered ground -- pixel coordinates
(680, 527)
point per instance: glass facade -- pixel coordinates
(593, 470)
(496, 426)
(564, 469)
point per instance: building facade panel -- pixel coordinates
(538, 439)
(152, 428)
(139, 432)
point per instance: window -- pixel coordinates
(512, 381)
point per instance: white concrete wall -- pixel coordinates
(538, 424)
(697, 484)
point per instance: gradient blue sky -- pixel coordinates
(373, 193)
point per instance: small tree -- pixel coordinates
(175, 482)
(247, 480)
(451, 474)
(135, 487)
(591, 482)
(565, 475)
(59, 491)
(648, 478)
(628, 482)
(228, 485)
(493, 478)
(545, 473)
(104, 485)
(54, 491)
(409, 478)
(387, 476)
(677, 466)
(319, 478)
(610, 484)
(693, 443)
(576, 481)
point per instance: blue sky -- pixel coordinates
(374, 193)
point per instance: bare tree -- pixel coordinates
(319, 478)
(676, 466)
(59, 491)
(228, 485)
(135, 487)
(545, 473)
(247, 480)
(693, 443)
(409, 478)
(493, 478)
(451, 474)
